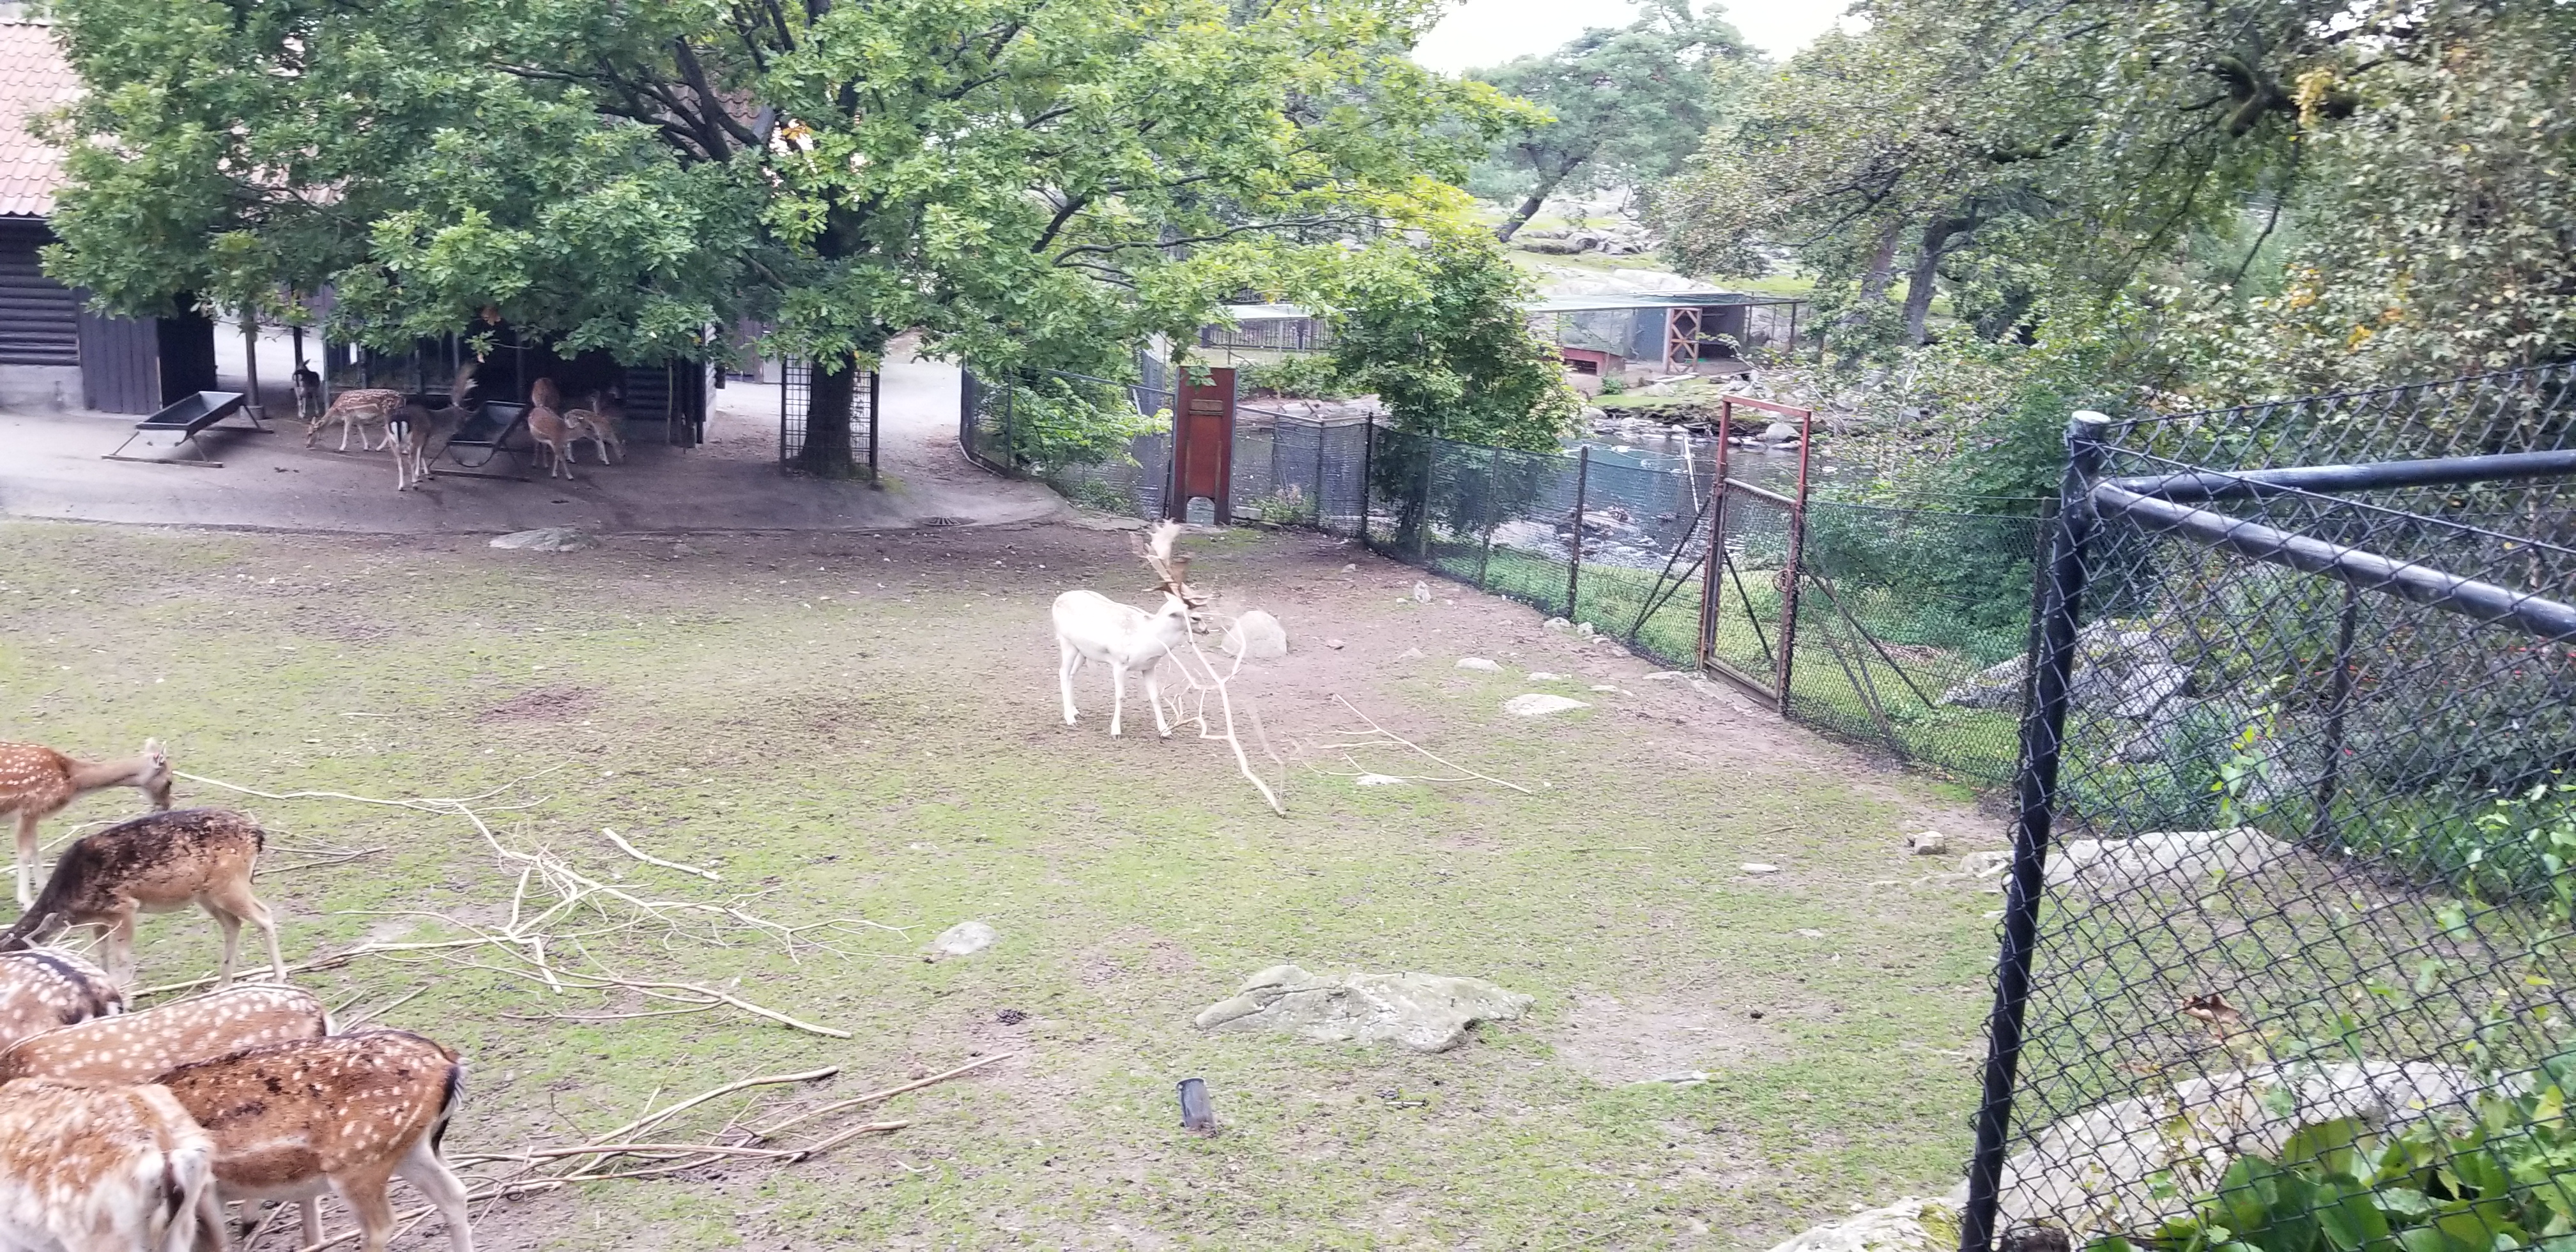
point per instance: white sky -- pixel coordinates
(1489, 32)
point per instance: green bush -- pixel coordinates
(2504, 1178)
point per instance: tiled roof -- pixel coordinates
(33, 78)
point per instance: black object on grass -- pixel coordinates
(1196, 1117)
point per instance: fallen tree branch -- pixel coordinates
(650, 859)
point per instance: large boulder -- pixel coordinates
(1913, 1225)
(2123, 668)
(1257, 635)
(2172, 857)
(1423, 1012)
(2128, 1166)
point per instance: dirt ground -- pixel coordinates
(864, 726)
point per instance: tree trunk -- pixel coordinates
(250, 360)
(1882, 267)
(826, 453)
(1528, 210)
(1937, 234)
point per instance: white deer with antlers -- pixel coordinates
(1092, 627)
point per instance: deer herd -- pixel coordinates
(418, 432)
(129, 1131)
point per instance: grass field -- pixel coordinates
(865, 727)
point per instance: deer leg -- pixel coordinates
(120, 948)
(439, 1185)
(344, 437)
(309, 1210)
(231, 924)
(27, 851)
(1154, 696)
(1064, 671)
(238, 902)
(365, 1195)
(1117, 694)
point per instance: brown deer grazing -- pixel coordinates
(103, 1168)
(36, 782)
(44, 989)
(364, 411)
(344, 1114)
(421, 431)
(135, 1046)
(154, 864)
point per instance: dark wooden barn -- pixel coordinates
(52, 353)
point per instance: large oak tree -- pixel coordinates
(1028, 181)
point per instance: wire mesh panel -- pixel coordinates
(2285, 959)
(796, 400)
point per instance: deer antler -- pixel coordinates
(1167, 565)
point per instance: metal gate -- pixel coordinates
(1749, 581)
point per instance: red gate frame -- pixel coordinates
(1202, 444)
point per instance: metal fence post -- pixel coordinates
(1574, 569)
(874, 376)
(2331, 776)
(2043, 732)
(1422, 527)
(1711, 589)
(1320, 428)
(1485, 559)
(1368, 458)
(1786, 671)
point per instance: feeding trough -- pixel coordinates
(189, 416)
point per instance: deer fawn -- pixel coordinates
(36, 782)
(343, 1114)
(1092, 627)
(553, 435)
(43, 989)
(103, 1168)
(154, 864)
(603, 423)
(133, 1047)
(421, 432)
(364, 411)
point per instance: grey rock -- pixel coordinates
(1537, 704)
(547, 539)
(1911, 1225)
(1421, 592)
(1584, 630)
(1421, 1012)
(1990, 863)
(1257, 635)
(1556, 623)
(2128, 1166)
(963, 939)
(1779, 432)
(1759, 868)
(1479, 664)
(2176, 857)
(1928, 843)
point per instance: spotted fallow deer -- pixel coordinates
(103, 1167)
(363, 411)
(154, 864)
(133, 1047)
(44, 989)
(36, 782)
(1092, 627)
(343, 1114)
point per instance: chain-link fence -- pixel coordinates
(1902, 635)
(2285, 961)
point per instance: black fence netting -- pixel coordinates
(2285, 960)
(1908, 621)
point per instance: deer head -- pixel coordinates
(1172, 568)
(460, 393)
(153, 776)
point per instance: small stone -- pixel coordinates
(963, 939)
(1350, 569)
(1421, 592)
(1377, 780)
(1928, 843)
(1540, 705)
(1542, 676)
(1759, 867)
(680, 547)
(1011, 1017)
(1557, 623)
(1583, 630)
(1334, 644)
(1811, 934)
(1409, 654)
(1990, 863)
(1603, 687)
(1479, 664)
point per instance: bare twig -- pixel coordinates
(650, 859)
(771, 1130)
(1390, 737)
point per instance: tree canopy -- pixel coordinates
(1625, 107)
(1027, 181)
(2174, 202)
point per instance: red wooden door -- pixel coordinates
(1203, 445)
